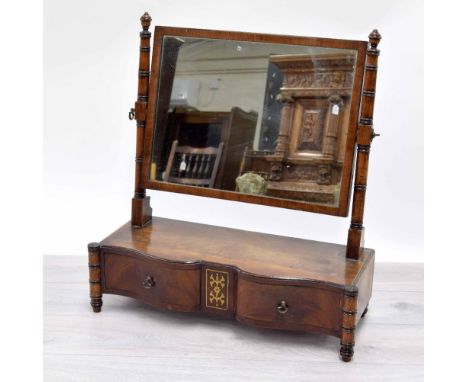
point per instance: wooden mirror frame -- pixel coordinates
(342, 208)
(360, 133)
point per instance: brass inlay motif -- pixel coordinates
(217, 284)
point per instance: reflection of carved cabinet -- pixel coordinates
(235, 129)
(308, 158)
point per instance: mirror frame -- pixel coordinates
(342, 208)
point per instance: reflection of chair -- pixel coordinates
(193, 166)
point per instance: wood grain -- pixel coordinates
(365, 134)
(310, 280)
(157, 345)
(252, 252)
(141, 209)
(388, 276)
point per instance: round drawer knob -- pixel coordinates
(282, 307)
(149, 282)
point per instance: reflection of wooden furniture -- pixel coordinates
(258, 279)
(195, 128)
(200, 165)
(308, 159)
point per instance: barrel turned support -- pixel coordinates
(141, 208)
(94, 264)
(365, 134)
(349, 323)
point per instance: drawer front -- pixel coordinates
(289, 307)
(152, 281)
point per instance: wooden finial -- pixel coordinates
(145, 21)
(374, 38)
(375, 35)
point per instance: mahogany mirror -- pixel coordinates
(255, 118)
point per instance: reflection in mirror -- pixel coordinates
(258, 118)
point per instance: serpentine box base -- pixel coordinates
(259, 279)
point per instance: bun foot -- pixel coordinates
(346, 352)
(96, 303)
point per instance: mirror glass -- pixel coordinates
(252, 117)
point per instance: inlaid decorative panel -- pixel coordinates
(217, 284)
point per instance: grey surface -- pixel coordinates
(130, 341)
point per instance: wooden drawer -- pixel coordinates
(289, 307)
(168, 285)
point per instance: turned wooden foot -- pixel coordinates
(94, 265)
(346, 352)
(365, 312)
(349, 323)
(96, 303)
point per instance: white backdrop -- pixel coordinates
(90, 82)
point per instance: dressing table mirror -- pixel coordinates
(282, 121)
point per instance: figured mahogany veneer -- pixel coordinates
(151, 280)
(305, 308)
(259, 279)
(252, 252)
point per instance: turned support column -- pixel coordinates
(94, 264)
(349, 323)
(141, 209)
(365, 134)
